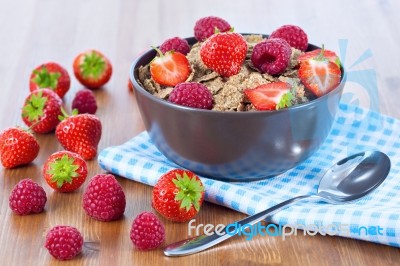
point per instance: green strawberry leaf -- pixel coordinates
(286, 101)
(190, 191)
(63, 170)
(93, 65)
(65, 114)
(34, 107)
(337, 62)
(45, 79)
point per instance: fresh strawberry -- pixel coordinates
(92, 69)
(224, 53)
(178, 195)
(170, 68)
(319, 75)
(330, 55)
(271, 96)
(51, 76)
(65, 171)
(80, 133)
(41, 110)
(17, 147)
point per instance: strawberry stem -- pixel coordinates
(160, 54)
(29, 129)
(64, 114)
(321, 55)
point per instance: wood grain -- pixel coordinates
(37, 31)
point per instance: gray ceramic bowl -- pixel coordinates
(235, 146)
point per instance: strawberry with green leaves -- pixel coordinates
(50, 76)
(79, 133)
(178, 195)
(41, 110)
(224, 53)
(271, 96)
(65, 171)
(92, 69)
(169, 69)
(320, 73)
(17, 147)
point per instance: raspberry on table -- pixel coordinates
(27, 197)
(177, 44)
(205, 27)
(64, 242)
(192, 94)
(147, 231)
(271, 56)
(85, 102)
(104, 199)
(294, 35)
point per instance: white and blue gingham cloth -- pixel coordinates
(355, 130)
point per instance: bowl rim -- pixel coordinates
(143, 91)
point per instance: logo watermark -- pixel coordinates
(283, 231)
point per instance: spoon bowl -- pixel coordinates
(346, 181)
(354, 177)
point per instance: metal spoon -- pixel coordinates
(346, 181)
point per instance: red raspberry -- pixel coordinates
(85, 102)
(271, 56)
(104, 199)
(294, 35)
(205, 27)
(192, 94)
(64, 242)
(147, 231)
(27, 197)
(177, 44)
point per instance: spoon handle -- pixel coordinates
(202, 242)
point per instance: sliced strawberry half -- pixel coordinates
(271, 96)
(330, 55)
(170, 68)
(319, 74)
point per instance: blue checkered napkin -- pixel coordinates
(375, 218)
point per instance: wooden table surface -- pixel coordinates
(36, 31)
